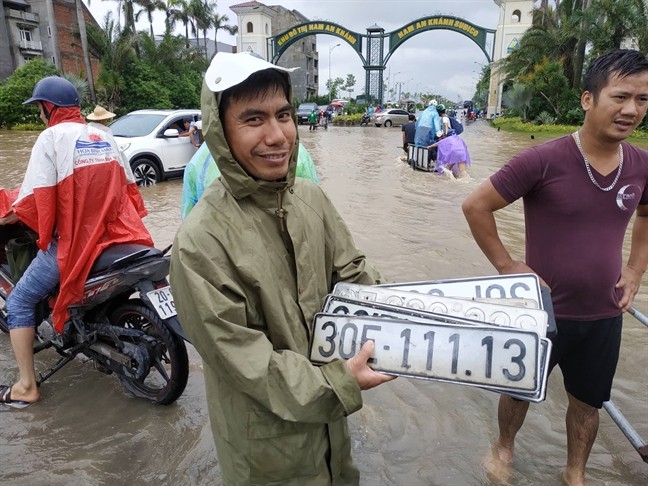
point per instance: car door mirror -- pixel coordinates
(171, 133)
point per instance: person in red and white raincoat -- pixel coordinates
(80, 197)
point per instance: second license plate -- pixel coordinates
(489, 356)
(162, 300)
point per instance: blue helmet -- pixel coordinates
(56, 90)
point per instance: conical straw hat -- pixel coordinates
(100, 113)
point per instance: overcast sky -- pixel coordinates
(438, 61)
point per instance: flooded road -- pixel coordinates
(88, 431)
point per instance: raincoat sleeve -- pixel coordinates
(189, 191)
(213, 308)
(305, 166)
(7, 198)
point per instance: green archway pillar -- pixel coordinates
(375, 63)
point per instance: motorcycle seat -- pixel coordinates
(119, 255)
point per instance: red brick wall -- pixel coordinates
(70, 50)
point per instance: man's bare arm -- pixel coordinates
(479, 208)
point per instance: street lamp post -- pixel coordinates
(329, 63)
(395, 83)
(407, 84)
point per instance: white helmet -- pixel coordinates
(432, 103)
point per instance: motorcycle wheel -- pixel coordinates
(169, 371)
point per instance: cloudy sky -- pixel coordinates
(437, 61)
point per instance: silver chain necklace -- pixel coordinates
(589, 170)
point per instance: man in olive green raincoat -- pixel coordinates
(251, 265)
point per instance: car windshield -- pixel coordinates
(135, 124)
(307, 107)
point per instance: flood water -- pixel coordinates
(88, 431)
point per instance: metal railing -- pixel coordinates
(631, 434)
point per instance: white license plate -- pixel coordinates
(474, 355)
(499, 315)
(543, 375)
(334, 304)
(162, 300)
(518, 286)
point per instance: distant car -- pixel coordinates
(150, 141)
(305, 109)
(392, 116)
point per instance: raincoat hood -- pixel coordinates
(238, 182)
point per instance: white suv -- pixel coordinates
(150, 142)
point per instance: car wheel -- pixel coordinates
(146, 172)
(388, 123)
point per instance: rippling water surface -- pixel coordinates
(88, 431)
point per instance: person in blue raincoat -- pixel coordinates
(429, 129)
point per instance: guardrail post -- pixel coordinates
(631, 434)
(639, 316)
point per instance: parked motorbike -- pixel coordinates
(366, 119)
(125, 323)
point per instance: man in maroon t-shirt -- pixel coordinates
(580, 192)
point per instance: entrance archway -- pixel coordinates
(376, 46)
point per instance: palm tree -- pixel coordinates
(202, 12)
(556, 39)
(519, 98)
(178, 10)
(116, 50)
(219, 22)
(128, 8)
(614, 21)
(148, 7)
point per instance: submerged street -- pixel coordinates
(87, 430)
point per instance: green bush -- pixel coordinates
(515, 124)
(346, 120)
(17, 88)
(545, 118)
(574, 116)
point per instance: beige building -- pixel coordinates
(257, 22)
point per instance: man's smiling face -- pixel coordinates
(261, 134)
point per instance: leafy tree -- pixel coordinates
(349, 84)
(481, 90)
(333, 85)
(143, 89)
(17, 88)
(549, 88)
(554, 34)
(613, 21)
